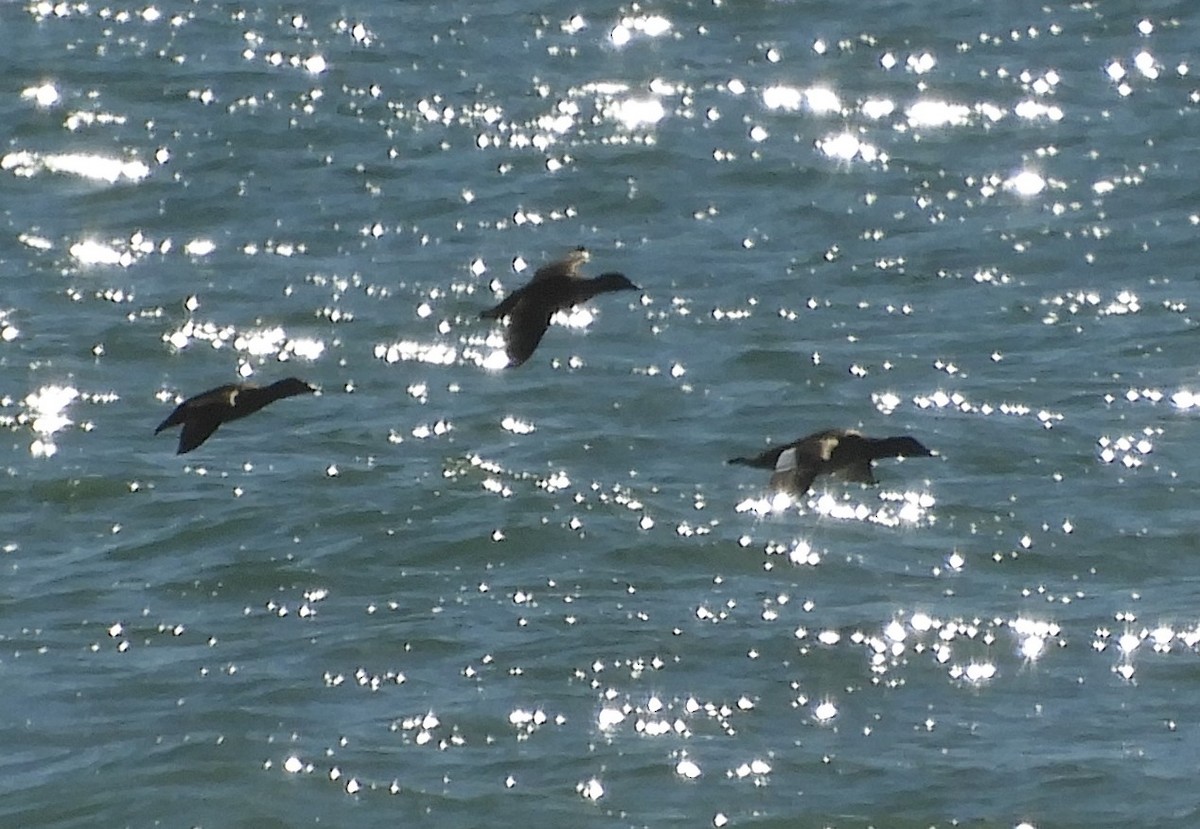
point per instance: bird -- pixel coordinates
(554, 287)
(201, 415)
(844, 453)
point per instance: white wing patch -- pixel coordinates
(828, 446)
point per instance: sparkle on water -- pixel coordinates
(44, 95)
(253, 346)
(45, 414)
(633, 26)
(27, 164)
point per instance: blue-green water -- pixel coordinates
(448, 595)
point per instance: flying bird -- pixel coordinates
(554, 287)
(842, 453)
(201, 415)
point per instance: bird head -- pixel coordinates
(615, 282)
(909, 447)
(291, 386)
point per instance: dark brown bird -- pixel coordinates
(202, 414)
(843, 453)
(554, 287)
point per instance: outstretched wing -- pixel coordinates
(221, 397)
(506, 306)
(849, 455)
(525, 330)
(196, 430)
(794, 472)
(860, 471)
(174, 418)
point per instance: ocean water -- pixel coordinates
(442, 593)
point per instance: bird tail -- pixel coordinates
(741, 461)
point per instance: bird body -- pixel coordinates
(202, 414)
(842, 453)
(554, 287)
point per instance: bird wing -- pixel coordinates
(196, 430)
(525, 330)
(174, 418)
(815, 449)
(849, 456)
(793, 473)
(506, 306)
(222, 396)
(860, 471)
